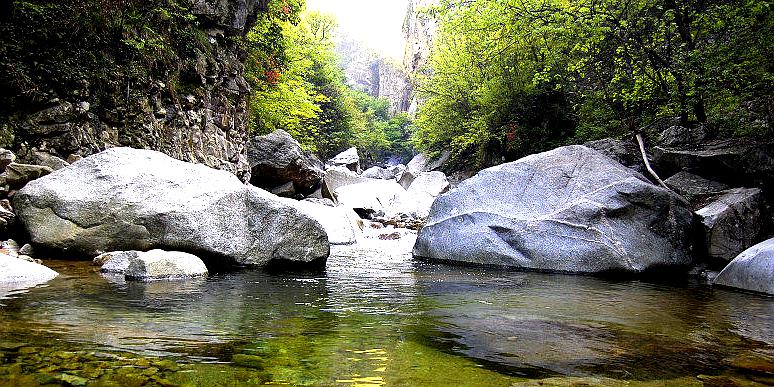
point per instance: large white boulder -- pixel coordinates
(341, 224)
(131, 199)
(752, 270)
(570, 210)
(425, 188)
(349, 159)
(15, 270)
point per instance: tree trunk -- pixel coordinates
(653, 173)
(699, 111)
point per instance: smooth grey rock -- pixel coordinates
(323, 201)
(10, 247)
(27, 249)
(416, 166)
(17, 175)
(337, 177)
(378, 173)
(277, 158)
(752, 270)
(376, 196)
(19, 271)
(164, 265)
(677, 135)
(286, 190)
(732, 222)
(349, 159)
(735, 162)
(439, 162)
(397, 170)
(625, 151)
(131, 199)
(571, 209)
(425, 188)
(115, 262)
(694, 188)
(48, 160)
(340, 223)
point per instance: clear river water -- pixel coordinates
(375, 317)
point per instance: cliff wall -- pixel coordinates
(77, 77)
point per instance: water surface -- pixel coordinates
(378, 318)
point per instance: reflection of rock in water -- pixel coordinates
(749, 315)
(540, 325)
(158, 316)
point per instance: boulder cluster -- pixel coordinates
(575, 209)
(590, 209)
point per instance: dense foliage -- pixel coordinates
(300, 88)
(513, 77)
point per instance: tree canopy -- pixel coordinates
(513, 77)
(300, 88)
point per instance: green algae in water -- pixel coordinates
(388, 322)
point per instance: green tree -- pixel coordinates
(519, 76)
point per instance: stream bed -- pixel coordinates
(376, 317)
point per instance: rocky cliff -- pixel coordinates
(82, 76)
(377, 76)
(419, 30)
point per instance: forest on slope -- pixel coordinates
(509, 78)
(504, 78)
(300, 87)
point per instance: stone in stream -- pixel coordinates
(752, 270)
(277, 158)
(425, 188)
(115, 262)
(419, 164)
(340, 223)
(336, 177)
(732, 222)
(375, 196)
(151, 265)
(131, 199)
(571, 209)
(16, 272)
(164, 265)
(416, 166)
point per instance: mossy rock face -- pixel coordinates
(161, 75)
